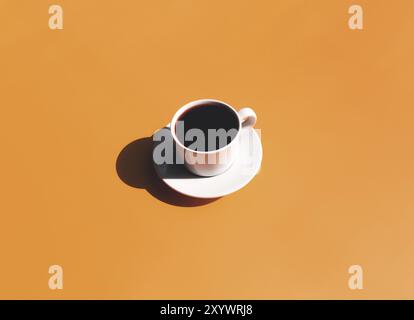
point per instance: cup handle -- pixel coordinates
(248, 117)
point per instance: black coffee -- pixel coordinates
(215, 116)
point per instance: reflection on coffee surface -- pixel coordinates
(214, 123)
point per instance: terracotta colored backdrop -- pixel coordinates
(336, 111)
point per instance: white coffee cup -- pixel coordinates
(211, 163)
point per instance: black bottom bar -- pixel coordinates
(205, 309)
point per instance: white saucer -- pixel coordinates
(243, 170)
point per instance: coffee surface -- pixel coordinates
(214, 116)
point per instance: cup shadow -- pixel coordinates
(135, 168)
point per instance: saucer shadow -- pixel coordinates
(135, 168)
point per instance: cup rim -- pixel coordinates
(192, 104)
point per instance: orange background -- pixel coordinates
(335, 107)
